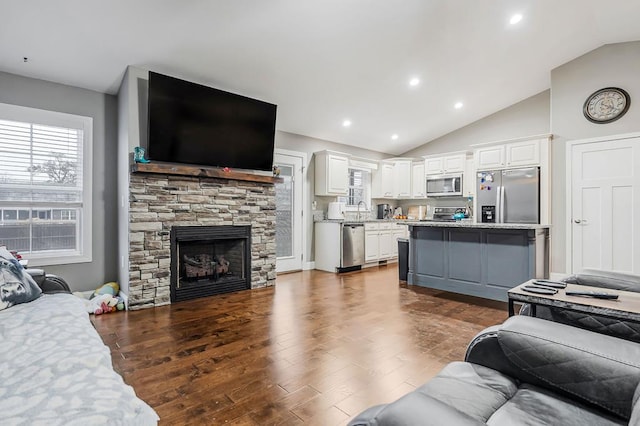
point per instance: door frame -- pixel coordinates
(303, 217)
(569, 188)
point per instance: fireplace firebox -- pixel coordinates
(208, 260)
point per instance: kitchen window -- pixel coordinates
(45, 185)
(359, 189)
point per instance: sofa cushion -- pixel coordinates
(536, 406)
(16, 286)
(472, 389)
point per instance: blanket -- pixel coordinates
(57, 371)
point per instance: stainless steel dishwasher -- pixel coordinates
(352, 250)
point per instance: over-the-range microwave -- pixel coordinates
(444, 185)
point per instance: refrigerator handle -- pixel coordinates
(497, 219)
(502, 204)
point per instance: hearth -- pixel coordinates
(208, 260)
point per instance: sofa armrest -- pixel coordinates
(596, 368)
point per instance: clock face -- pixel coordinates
(606, 105)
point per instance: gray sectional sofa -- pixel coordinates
(527, 371)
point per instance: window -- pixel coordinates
(45, 184)
(359, 189)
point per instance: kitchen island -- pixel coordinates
(477, 259)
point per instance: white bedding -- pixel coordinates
(55, 369)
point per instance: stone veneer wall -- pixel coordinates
(158, 201)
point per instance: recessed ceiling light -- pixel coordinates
(515, 19)
(458, 105)
(346, 123)
(414, 81)
(394, 136)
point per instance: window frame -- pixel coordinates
(84, 253)
(368, 190)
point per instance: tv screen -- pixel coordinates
(194, 124)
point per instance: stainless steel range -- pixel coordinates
(443, 214)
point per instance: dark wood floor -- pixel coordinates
(318, 348)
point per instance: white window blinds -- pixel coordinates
(42, 163)
(42, 190)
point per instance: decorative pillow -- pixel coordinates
(16, 286)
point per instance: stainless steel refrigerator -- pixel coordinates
(509, 196)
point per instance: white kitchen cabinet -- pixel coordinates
(433, 166)
(525, 153)
(489, 158)
(469, 179)
(454, 163)
(380, 240)
(385, 244)
(400, 231)
(371, 243)
(402, 178)
(418, 180)
(510, 155)
(382, 185)
(451, 163)
(331, 173)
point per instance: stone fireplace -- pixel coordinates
(162, 200)
(208, 260)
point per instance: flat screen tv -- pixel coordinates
(195, 124)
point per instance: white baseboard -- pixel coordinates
(308, 266)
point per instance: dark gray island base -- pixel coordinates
(484, 260)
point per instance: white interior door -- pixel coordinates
(289, 236)
(605, 205)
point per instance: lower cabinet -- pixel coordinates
(380, 240)
(371, 242)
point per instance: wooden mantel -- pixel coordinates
(200, 171)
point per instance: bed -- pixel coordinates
(57, 371)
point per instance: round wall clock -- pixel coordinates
(606, 105)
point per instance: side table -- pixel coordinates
(626, 307)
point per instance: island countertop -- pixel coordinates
(474, 225)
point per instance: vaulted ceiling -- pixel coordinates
(323, 61)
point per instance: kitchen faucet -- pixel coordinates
(365, 207)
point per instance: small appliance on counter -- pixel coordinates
(385, 211)
(336, 211)
(417, 212)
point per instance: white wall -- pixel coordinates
(526, 118)
(615, 65)
(131, 133)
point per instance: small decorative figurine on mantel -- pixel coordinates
(276, 171)
(138, 155)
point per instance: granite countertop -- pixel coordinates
(465, 224)
(401, 221)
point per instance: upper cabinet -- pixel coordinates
(402, 178)
(489, 158)
(331, 173)
(382, 185)
(394, 179)
(418, 180)
(525, 153)
(515, 154)
(451, 163)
